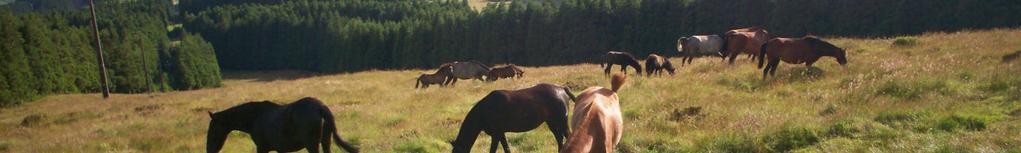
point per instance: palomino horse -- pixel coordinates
(465, 70)
(806, 50)
(283, 128)
(623, 59)
(698, 46)
(597, 122)
(746, 40)
(656, 64)
(504, 72)
(515, 111)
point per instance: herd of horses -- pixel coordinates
(596, 123)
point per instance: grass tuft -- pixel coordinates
(906, 41)
(790, 137)
(965, 122)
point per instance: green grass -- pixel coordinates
(950, 92)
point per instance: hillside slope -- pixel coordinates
(930, 93)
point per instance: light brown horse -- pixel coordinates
(745, 40)
(597, 122)
(805, 50)
(515, 111)
(504, 72)
(656, 64)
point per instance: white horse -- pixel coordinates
(698, 46)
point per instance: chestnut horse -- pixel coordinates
(746, 40)
(699, 46)
(805, 50)
(304, 124)
(656, 64)
(504, 72)
(515, 111)
(623, 59)
(597, 122)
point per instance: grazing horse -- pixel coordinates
(656, 64)
(515, 111)
(698, 46)
(282, 128)
(746, 40)
(623, 59)
(597, 122)
(504, 72)
(805, 50)
(465, 70)
(427, 79)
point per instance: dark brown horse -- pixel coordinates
(623, 59)
(746, 40)
(515, 111)
(805, 50)
(504, 72)
(656, 64)
(283, 128)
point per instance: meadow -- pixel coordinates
(935, 92)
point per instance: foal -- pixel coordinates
(623, 59)
(656, 64)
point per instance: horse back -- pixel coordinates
(597, 121)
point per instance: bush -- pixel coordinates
(967, 122)
(790, 137)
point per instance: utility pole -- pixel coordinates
(99, 53)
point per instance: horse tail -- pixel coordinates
(332, 128)
(762, 54)
(723, 47)
(569, 94)
(617, 81)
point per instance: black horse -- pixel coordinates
(515, 111)
(623, 59)
(283, 128)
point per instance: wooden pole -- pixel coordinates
(103, 83)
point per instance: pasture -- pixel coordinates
(937, 92)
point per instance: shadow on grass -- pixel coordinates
(267, 76)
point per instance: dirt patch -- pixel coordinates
(1015, 113)
(148, 109)
(33, 120)
(1011, 57)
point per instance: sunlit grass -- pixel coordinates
(946, 92)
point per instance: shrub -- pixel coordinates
(790, 137)
(967, 122)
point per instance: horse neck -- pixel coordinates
(470, 130)
(243, 116)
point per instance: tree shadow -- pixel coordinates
(267, 76)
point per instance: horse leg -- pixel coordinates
(499, 137)
(326, 141)
(560, 130)
(775, 63)
(623, 68)
(493, 144)
(608, 66)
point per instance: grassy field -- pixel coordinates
(938, 92)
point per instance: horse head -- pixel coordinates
(827, 49)
(217, 133)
